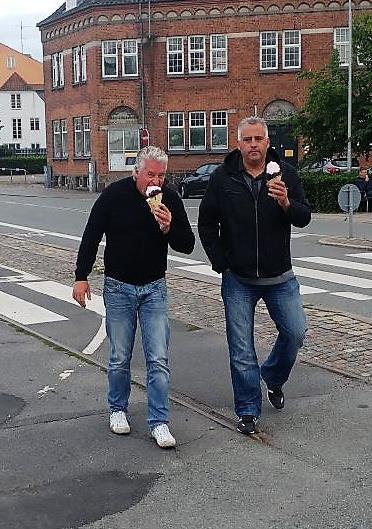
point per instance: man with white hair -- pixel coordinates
(245, 220)
(138, 230)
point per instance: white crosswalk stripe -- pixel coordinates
(352, 265)
(25, 312)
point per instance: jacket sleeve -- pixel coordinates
(209, 226)
(180, 236)
(299, 212)
(92, 236)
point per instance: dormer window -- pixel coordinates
(10, 63)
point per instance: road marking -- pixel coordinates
(22, 275)
(352, 295)
(310, 290)
(183, 260)
(352, 265)
(203, 269)
(330, 277)
(25, 312)
(367, 255)
(98, 339)
(41, 206)
(64, 293)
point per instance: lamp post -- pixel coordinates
(349, 89)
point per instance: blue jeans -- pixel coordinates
(283, 302)
(124, 302)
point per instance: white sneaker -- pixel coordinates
(119, 423)
(163, 436)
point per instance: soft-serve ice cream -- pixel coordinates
(154, 197)
(273, 171)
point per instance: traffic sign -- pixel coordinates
(349, 198)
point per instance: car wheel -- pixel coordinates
(183, 191)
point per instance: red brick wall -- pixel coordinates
(243, 87)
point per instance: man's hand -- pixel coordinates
(278, 191)
(79, 291)
(164, 217)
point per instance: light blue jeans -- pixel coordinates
(124, 303)
(284, 304)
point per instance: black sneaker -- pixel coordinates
(276, 397)
(247, 424)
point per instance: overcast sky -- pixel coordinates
(29, 13)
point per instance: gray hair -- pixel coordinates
(253, 120)
(150, 153)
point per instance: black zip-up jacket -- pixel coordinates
(250, 237)
(136, 249)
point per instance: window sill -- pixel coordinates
(280, 71)
(81, 158)
(64, 159)
(56, 88)
(121, 78)
(196, 152)
(80, 83)
(205, 75)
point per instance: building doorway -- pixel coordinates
(123, 139)
(275, 114)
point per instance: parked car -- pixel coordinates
(195, 184)
(330, 166)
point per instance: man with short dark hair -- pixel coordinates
(140, 217)
(245, 221)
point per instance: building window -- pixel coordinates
(34, 124)
(175, 55)
(86, 138)
(110, 58)
(123, 146)
(17, 129)
(79, 65)
(341, 44)
(269, 50)
(82, 137)
(130, 58)
(197, 131)
(64, 151)
(57, 143)
(219, 130)
(218, 60)
(58, 74)
(15, 101)
(291, 49)
(10, 63)
(176, 131)
(197, 54)
(35, 146)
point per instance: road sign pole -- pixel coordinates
(351, 209)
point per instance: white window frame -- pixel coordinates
(214, 52)
(191, 127)
(180, 53)
(86, 133)
(339, 43)
(219, 126)
(56, 124)
(116, 55)
(17, 128)
(195, 51)
(176, 127)
(83, 63)
(58, 73)
(78, 130)
(291, 46)
(11, 62)
(76, 65)
(34, 124)
(15, 101)
(129, 54)
(266, 47)
(64, 148)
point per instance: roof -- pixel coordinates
(61, 12)
(29, 69)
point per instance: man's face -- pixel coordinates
(253, 145)
(363, 174)
(152, 173)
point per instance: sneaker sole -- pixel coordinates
(120, 431)
(166, 445)
(246, 433)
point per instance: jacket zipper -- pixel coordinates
(256, 216)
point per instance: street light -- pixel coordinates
(349, 89)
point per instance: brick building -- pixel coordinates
(184, 71)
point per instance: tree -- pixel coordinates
(322, 122)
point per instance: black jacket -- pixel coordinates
(250, 237)
(136, 249)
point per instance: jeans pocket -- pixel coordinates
(110, 285)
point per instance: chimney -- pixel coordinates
(70, 4)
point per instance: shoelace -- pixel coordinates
(162, 431)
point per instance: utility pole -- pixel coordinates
(22, 37)
(349, 89)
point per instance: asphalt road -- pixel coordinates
(331, 277)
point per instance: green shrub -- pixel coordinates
(32, 164)
(322, 190)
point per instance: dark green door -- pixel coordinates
(283, 143)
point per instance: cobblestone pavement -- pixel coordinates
(336, 341)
